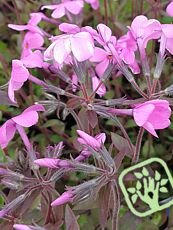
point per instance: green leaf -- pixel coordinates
(131, 190)
(145, 172)
(134, 198)
(138, 185)
(163, 189)
(138, 175)
(157, 176)
(163, 182)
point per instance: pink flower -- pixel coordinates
(34, 37)
(35, 18)
(27, 118)
(31, 41)
(63, 199)
(126, 46)
(20, 74)
(144, 29)
(169, 9)
(94, 142)
(94, 3)
(81, 45)
(153, 115)
(65, 7)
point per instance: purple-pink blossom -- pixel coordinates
(27, 118)
(153, 115)
(65, 7)
(20, 73)
(81, 45)
(144, 30)
(34, 37)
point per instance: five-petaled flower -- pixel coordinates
(81, 45)
(153, 115)
(65, 7)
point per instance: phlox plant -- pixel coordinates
(88, 99)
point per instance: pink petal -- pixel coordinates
(21, 227)
(19, 72)
(18, 27)
(26, 119)
(59, 11)
(33, 41)
(35, 18)
(7, 132)
(101, 90)
(137, 25)
(99, 55)
(82, 46)
(141, 113)
(69, 28)
(94, 3)
(29, 116)
(101, 67)
(36, 108)
(149, 127)
(50, 7)
(105, 32)
(35, 59)
(74, 7)
(167, 30)
(61, 50)
(169, 9)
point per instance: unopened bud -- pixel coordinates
(12, 205)
(169, 90)
(9, 183)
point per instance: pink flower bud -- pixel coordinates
(63, 199)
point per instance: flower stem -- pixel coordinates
(24, 137)
(138, 145)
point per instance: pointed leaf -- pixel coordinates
(121, 144)
(138, 185)
(163, 189)
(93, 119)
(105, 202)
(138, 175)
(70, 219)
(145, 172)
(163, 182)
(157, 176)
(134, 198)
(131, 190)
